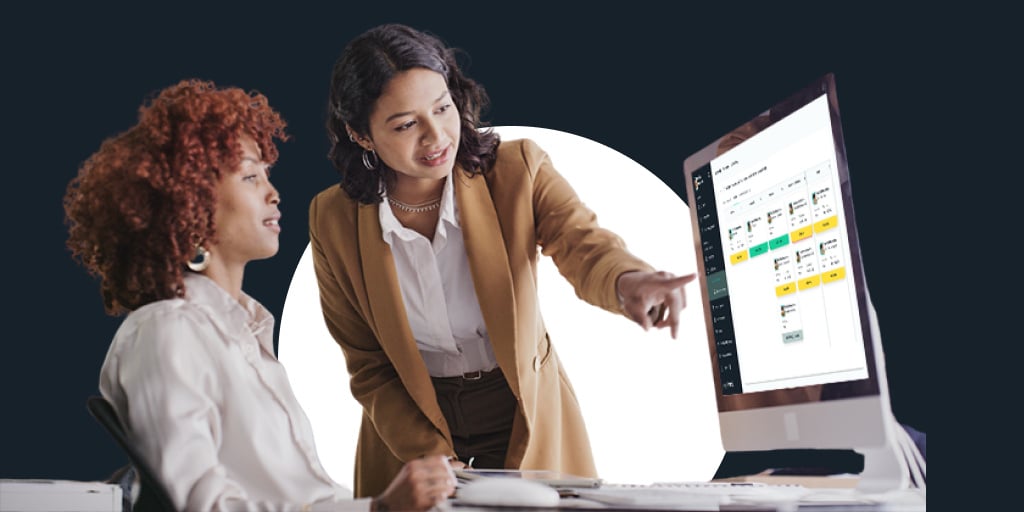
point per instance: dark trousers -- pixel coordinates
(479, 412)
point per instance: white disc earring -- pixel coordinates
(201, 261)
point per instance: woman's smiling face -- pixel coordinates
(415, 126)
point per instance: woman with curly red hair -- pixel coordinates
(167, 214)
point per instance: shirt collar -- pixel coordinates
(448, 207)
(244, 313)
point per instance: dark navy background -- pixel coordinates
(653, 85)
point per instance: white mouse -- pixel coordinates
(507, 491)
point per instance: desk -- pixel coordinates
(843, 498)
(31, 495)
(722, 508)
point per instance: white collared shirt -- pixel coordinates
(437, 290)
(201, 394)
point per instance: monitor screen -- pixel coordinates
(795, 359)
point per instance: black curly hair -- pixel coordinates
(365, 66)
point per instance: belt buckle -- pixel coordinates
(477, 375)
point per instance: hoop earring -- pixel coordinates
(201, 261)
(366, 159)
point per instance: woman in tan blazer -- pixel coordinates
(426, 258)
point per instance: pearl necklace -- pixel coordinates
(416, 208)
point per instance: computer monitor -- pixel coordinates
(795, 349)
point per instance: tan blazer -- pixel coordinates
(523, 204)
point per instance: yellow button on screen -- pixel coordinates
(800, 234)
(809, 282)
(785, 289)
(738, 257)
(825, 224)
(834, 275)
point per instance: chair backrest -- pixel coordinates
(153, 496)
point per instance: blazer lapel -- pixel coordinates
(389, 319)
(488, 264)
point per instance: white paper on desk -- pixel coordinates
(17, 495)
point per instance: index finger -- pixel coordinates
(677, 282)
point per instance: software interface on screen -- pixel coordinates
(774, 243)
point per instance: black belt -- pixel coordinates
(468, 376)
(477, 375)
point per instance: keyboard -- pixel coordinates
(695, 495)
(710, 495)
(734, 488)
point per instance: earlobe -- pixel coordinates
(363, 142)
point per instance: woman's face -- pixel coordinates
(246, 216)
(414, 127)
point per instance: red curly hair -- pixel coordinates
(143, 202)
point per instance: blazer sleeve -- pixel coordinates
(374, 381)
(590, 257)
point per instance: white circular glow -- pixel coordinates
(648, 400)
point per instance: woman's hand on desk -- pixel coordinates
(653, 299)
(420, 485)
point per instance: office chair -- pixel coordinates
(152, 496)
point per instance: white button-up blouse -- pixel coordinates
(201, 394)
(438, 292)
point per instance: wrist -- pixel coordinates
(618, 289)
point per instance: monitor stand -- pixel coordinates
(885, 467)
(898, 465)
